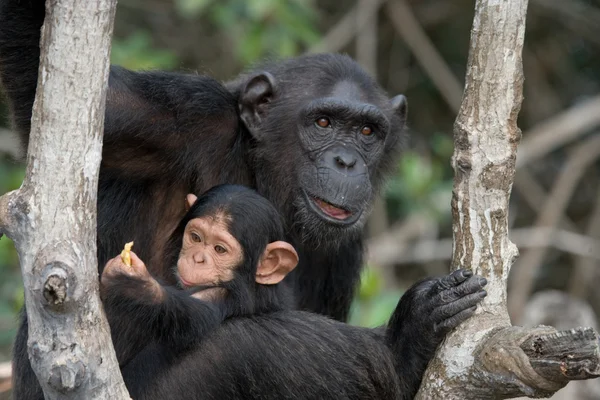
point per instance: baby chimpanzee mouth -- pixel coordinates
(331, 212)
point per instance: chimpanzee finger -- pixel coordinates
(471, 285)
(452, 280)
(136, 262)
(448, 310)
(455, 320)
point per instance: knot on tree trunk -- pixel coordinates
(57, 281)
(55, 288)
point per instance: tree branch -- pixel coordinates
(52, 218)
(486, 357)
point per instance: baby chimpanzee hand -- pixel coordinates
(115, 267)
(116, 272)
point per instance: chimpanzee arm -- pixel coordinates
(138, 313)
(423, 317)
(154, 120)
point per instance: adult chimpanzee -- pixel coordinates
(313, 134)
(238, 339)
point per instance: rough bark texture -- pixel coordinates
(486, 357)
(52, 217)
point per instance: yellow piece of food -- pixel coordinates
(126, 255)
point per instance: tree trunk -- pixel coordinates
(486, 357)
(52, 217)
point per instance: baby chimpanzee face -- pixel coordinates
(209, 253)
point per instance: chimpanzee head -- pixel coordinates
(231, 238)
(323, 135)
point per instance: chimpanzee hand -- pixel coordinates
(424, 315)
(116, 273)
(434, 306)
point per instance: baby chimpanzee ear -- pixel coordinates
(190, 199)
(279, 259)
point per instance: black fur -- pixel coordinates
(252, 346)
(247, 346)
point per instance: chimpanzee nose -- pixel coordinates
(199, 257)
(343, 158)
(345, 161)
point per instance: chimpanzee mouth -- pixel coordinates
(331, 212)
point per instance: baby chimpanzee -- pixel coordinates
(228, 331)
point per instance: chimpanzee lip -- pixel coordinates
(316, 204)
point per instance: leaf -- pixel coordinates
(191, 8)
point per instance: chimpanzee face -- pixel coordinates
(221, 246)
(343, 138)
(324, 141)
(209, 253)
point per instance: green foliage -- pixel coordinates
(260, 28)
(137, 53)
(11, 286)
(373, 305)
(422, 184)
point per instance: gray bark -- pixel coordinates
(52, 217)
(486, 357)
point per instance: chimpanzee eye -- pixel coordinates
(195, 237)
(366, 130)
(220, 249)
(323, 122)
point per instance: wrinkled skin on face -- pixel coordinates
(338, 135)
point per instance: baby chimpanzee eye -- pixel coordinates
(195, 237)
(220, 249)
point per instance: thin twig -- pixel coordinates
(534, 195)
(385, 249)
(344, 31)
(541, 99)
(583, 273)
(558, 131)
(581, 18)
(437, 69)
(523, 274)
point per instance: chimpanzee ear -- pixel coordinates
(400, 106)
(254, 99)
(278, 260)
(190, 199)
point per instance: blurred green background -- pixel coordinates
(221, 38)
